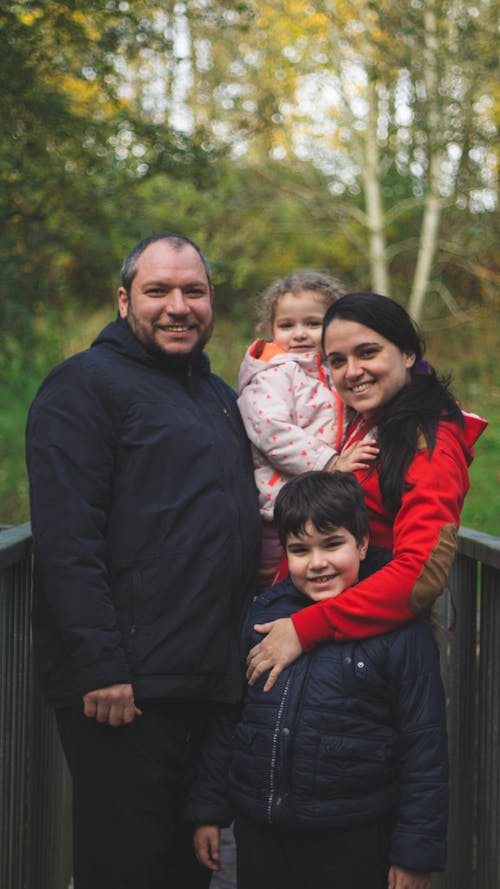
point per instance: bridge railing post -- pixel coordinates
(35, 796)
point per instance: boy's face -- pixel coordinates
(324, 564)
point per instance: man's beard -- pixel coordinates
(178, 359)
(161, 355)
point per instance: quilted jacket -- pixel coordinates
(349, 734)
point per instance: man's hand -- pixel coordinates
(278, 649)
(399, 878)
(206, 841)
(114, 705)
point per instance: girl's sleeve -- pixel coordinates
(424, 546)
(267, 407)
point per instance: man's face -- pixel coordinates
(170, 305)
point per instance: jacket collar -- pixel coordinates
(118, 336)
(285, 589)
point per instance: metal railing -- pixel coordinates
(35, 797)
(470, 662)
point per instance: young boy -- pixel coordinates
(336, 777)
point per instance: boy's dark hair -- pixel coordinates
(327, 499)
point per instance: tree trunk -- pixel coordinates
(373, 199)
(433, 202)
(426, 253)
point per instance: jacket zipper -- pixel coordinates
(293, 731)
(274, 752)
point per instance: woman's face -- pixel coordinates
(366, 369)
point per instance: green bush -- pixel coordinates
(467, 353)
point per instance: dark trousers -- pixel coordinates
(296, 858)
(129, 786)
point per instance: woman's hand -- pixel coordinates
(279, 648)
(206, 842)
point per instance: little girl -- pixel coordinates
(293, 419)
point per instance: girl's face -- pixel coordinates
(366, 369)
(297, 321)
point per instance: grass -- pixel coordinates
(468, 353)
(482, 505)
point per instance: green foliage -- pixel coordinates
(468, 353)
(71, 151)
(481, 508)
(90, 163)
(22, 366)
(464, 351)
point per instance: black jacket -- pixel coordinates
(350, 733)
(145, 524)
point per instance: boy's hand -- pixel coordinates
(279, 648)
(357, 456)
(206, 842)
(399, 878)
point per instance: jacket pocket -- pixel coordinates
(125, 587)
(350, 764)
(354, 747)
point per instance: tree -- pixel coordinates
(394, 102)
(73, 143)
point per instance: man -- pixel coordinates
(145, 527)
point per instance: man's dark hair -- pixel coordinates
(177, 241)
(326, 499)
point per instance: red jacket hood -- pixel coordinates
(473, 427)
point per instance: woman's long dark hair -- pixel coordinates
(417, 408)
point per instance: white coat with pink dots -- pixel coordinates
(294, 421)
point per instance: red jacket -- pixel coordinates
(422, 537)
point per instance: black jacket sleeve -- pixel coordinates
(419, 837)
(70, 453)
(208, 800)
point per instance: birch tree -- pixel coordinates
(423, 75)
(363, 90)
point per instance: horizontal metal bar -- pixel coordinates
(15, 544)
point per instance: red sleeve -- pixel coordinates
(424, 545)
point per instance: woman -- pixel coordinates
(414, 492)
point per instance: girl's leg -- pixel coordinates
(270, 555)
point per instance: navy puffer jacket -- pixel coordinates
(145, 525)
(350, 733)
